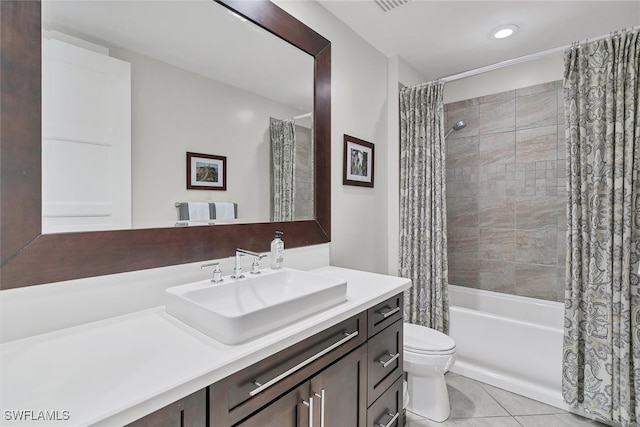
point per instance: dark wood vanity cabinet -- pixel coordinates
(236, 397)
(384, 357)
(335, 397)
(384, 363)
(190, 411)
(387, 410)
(349, 375)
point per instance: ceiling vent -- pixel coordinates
(387, 5)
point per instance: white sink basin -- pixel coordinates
(237, 310)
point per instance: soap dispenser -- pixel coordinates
(277, 251)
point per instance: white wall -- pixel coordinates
(358, 108)
(175, 111)
(543, 70)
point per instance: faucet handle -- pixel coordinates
(217, 273)
(255, 267)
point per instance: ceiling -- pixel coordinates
(442, 38)
(438, 38)
(195, 35)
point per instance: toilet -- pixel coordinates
(428, 355)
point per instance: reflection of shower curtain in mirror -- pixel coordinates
(283, 143)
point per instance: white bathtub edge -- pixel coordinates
(511, 384)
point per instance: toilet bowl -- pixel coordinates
(428, 355)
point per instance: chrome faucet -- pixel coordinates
(255, 267)
(217, 273)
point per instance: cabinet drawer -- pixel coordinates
(239, 395)
(384, 360)
(190, 411)
(382, 315)
(387, 410)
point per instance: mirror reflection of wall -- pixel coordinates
(178, 107)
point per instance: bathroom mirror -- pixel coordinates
(210, 85)
(29, 257)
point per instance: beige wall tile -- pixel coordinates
(537, 247)
(537, 110)
(537, 144)
(536, 281)
(536, 213)
(497, 244)
(497, 148)
(497, 276)
(506, 183)
(498, 116)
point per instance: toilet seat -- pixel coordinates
(422, 340)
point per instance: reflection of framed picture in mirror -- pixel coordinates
(206, 172)
(358, 162)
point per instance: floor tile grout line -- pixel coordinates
(518, 421)
(482, 385)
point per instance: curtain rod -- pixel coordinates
(301, 116)
(518, 60)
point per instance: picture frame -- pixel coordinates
(206, 172)
(358, 162)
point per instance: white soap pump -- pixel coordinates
(277, 251)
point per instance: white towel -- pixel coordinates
(193, 223)
(199, 211)
(225, 210)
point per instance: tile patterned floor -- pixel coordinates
(475, 404)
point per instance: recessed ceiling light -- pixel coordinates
(504, 31)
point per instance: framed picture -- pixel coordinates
(206, 172)
(358, 162)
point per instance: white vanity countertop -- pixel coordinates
(115, 371)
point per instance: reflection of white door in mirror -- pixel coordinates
(86, 139)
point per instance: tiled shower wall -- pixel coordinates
(506, 192)
(304, 175)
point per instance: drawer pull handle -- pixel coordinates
(386, 363)
(302, 364)
(393, 419)
(321, 397)
(310, 405)
(387, 311)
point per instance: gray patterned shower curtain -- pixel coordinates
(601, 360)
(283, 160)
(423, 219)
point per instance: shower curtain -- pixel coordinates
(423, 221)
(283, 153)
(601, 360)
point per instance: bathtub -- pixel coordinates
(508, 341)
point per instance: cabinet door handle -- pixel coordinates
(310, 405)
(321, 396)
(386, 363)
(387, 311)
(391, 421)
(262, 387)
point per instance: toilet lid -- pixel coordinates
(421, 339)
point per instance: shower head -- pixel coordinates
(459, 125)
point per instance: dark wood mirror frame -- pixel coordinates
(30, 258)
